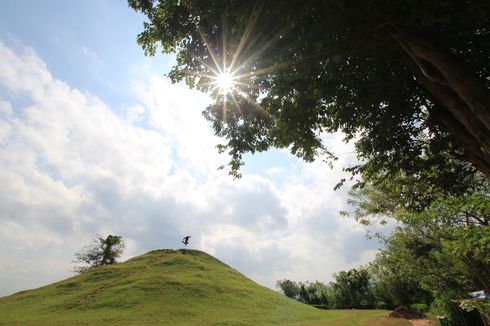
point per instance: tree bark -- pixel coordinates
(462, 98)
(443, 117)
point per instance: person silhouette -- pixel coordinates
(185, 241)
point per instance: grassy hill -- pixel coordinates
(162, 287)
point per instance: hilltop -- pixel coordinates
(162, 287)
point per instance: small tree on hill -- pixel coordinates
(99, 253)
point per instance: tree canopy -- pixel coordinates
(401, 79)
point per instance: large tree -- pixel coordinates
(413, 269)
(453, 219)
(395, 76)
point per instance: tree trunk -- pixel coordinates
(443, 117)
(462, 99)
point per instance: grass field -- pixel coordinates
(167, 287)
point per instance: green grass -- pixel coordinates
(358, 318)
(167, 287)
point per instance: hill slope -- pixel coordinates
(162, 287)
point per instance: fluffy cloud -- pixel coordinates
(71, 167)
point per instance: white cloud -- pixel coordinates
(176, 112)
(70, 167)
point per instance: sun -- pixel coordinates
(224, 82)
(228, 73)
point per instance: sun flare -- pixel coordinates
(225, 82)
(229, 73)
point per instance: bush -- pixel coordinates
(442, 306)
(420, 307)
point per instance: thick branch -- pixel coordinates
(449, 123)
(462, 81)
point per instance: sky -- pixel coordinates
(94, 139)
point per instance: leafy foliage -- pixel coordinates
(416, 269)
(453, 220)
(483, 308)
(99, 253)
(365, 68)
(394, 283)
(440, 249)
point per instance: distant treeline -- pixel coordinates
(351, 289)
(359, 288)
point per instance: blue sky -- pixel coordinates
(94, 139)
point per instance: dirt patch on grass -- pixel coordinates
(421, 322)
(406, 313)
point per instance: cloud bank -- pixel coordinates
(71, 167)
